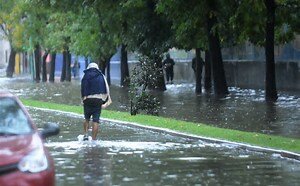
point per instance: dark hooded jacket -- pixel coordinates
(92, 82)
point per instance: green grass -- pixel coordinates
(263, 140)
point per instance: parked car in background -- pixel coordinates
(24, 160)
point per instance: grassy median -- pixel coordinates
(252, 138)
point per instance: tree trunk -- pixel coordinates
(68, 66)
(270, 82)
(199, 67)
(26, 63)
(207, 75)
(11, 63)
(220, 85)
(124, 67)
(37, 59)
(161, 85)
(105, 63)
(52, 68)
(102, 65)
(64, 67)
(44, 68)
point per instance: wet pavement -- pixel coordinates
(126, 155)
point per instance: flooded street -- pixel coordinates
(126, 155)
(243, 109)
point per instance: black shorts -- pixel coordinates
(92, 107)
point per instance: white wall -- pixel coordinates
(4, 52)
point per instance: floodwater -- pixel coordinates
(126, 155)
(243, 109)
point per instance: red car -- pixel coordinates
(24, 160)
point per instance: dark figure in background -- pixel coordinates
(197, 67)
(168, 64)
(76, 68)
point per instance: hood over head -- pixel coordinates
(93, 65)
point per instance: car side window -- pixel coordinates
(13, 120)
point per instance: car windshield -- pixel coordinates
(13, 120)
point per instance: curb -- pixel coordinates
(281, 153)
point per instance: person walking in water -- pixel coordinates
(95, 96)
(168, 64)
(76, 68)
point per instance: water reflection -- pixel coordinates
(125, 155)
(97, 166)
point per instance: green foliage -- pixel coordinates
(287, 20)
(245, 21)
(78, 26)
(11, 22)
(84, 37)
(144, 76)
(147, 32)
(249, 21)
(59, 32)
(149, 27)
(188, 22)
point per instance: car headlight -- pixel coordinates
(34, 162)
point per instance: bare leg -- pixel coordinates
(95, 130)
(86, 126)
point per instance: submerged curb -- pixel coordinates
(282, 153)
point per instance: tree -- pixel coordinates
(143, 76)
(188, 29)
(101, 41)
(148, 33)
(196, 25)
(44, 69)
(220, 85)
(37, 60)
(28, 33)
(278, 22)
(52, 67)
(11, 30)
(207, 76)
(124, 67)
(66, 67)
(121, 17)
(80, 27)
(270, 84)
(94, 33)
